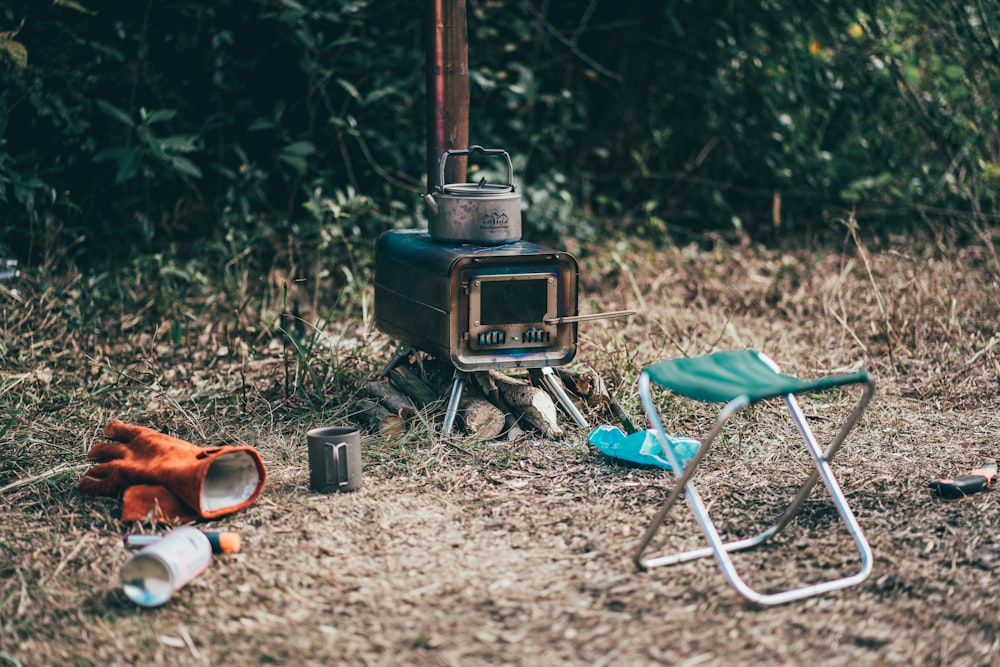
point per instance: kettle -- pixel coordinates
(479, 213)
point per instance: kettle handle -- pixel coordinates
(476, 149)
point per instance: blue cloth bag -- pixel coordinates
(642, 447)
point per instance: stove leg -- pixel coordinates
(552, 384)
(402, 352)
(452, 411)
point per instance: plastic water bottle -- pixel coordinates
(151, 575)
(227, 542)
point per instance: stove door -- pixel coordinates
(508, 311)
(502, 311)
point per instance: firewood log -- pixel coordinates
(489, 389)
(586, 383)
(532, 404)
(483, 420)
(413, 386)
(377, 417)
(391, 399)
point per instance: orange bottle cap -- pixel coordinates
(229, 542)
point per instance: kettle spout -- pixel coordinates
(429, 198)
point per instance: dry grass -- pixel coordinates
(517, 553)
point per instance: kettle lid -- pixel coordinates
(481, 189)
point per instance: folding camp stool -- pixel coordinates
(741, 378)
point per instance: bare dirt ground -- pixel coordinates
(516, 553)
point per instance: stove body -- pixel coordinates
(480, 307)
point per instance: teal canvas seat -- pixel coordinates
(739, 379)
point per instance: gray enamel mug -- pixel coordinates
(334, 458)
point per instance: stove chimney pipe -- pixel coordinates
(447, 88)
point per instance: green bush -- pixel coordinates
(149, 124)
(286, 127)
(705, 114)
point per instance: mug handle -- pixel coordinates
(335, 461)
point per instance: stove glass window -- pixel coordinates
(513, 301)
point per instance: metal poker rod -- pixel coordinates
(613, 315)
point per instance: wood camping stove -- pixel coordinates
(454, 292)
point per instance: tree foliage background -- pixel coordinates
(272, 128)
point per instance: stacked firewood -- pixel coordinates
(493, 404)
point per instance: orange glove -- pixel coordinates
(155, 503)
(211, 481)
